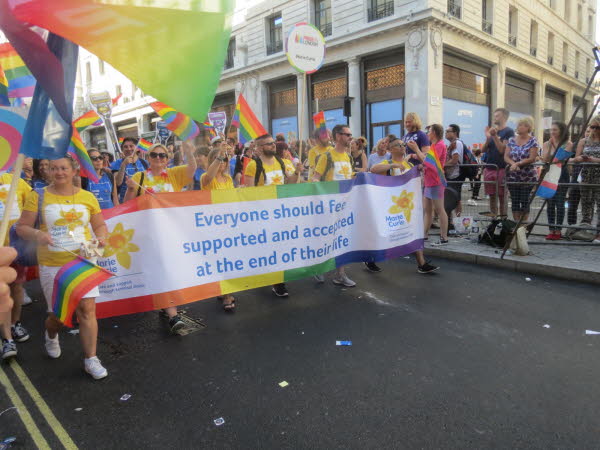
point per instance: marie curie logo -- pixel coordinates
(400, 212)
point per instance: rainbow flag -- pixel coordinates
(79, 153)
(210, 128)
(4, 101)
(115, 100)
(144, 145)
(20, 81)
(433, 162)
(320, 124)
(180, 124)
(121, 139)
(90, 118)
(249, 127)
(71, 283)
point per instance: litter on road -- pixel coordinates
(218, 422)
(546, 326)
(591, 332)
(284, 384)
(125, 397)
(343, 342)
(527, 279)
(75, 331)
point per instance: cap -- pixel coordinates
(215, 139)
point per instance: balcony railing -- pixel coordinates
(379, 11)
(486, 26)
(564, 68)
(533, 51)
(274, 47)
(454, 9)
(325, 28)
(550, 60)
(512, 40)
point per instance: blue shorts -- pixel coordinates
(434, 192)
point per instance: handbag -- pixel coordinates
(27, 250)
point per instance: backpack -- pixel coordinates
(497, 232)
(468, 158)
(329, 165)
(27, 250)
(260, 170)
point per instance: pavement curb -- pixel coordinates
(509, 263)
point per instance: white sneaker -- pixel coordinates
(596, 241)
(343, 280)
(52, 346)
(26, 299)
(320, 278)
(94, 367)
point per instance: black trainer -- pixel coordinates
(176, 324)
(9, 349)
(280, 290)
(372, 267)
(427, 268)
(19, 332)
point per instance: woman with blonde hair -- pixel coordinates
(358, 147)
(521, 152)
(413, 125)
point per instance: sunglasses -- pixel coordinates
(96, 158)
(595, 127)
(268, 143)
(158, 155)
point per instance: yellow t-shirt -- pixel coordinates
(272, 172)
(396, 171)
(22, 190)
(313, 155)
(171, 180)
(341, 169)
(67, 219)
(216, 185)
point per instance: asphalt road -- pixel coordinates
(458, 359)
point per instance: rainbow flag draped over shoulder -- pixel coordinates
(249, 127)
(79, 153)
(143, 145)
(433, 162)
(4, 101)
(320, 124)
(90, 118)
(21, 82)
(71, 283)
(180, 124)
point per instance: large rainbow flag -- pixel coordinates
(90, 118)
(180, 124)
(433, 162)
(20, 81)
(78, 151)
(4, 101)
(249, 127)
(71, 283)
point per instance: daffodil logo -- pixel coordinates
(403, 204)
(277, 179)
(346, 171)
(70, 219)
(119, 243)
(3, 195)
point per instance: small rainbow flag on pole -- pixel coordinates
(4, 101)
(143, 145)
(210, 128)
(433, 162)
(180, 124)
(71, 283)
(320, 124)
(90, 118)
(20, 81)
(249, 127)
(79, 153)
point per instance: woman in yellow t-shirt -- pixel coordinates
(158, 178)
(66, 216)
(217, 177)
(10, 321)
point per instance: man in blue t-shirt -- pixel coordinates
(201, 155)
(126, 167)
(493, 150)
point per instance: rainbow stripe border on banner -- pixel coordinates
(199, 198)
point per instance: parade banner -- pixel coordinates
(175, 248)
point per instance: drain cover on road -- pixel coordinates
(191, 324)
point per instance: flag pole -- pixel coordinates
(12, 195)
(301, 122)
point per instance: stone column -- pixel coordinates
(538, 106)
(498, 85)
(355, 120)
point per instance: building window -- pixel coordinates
(565, 57)
(274, 29)
(119, 90)
(378, 9)
(487, 12)
(330, 89)
(88, 72)
(577, 58)
(513, 26)
(590, 34)
(323, 16)
(554, 105)
(587, 70)
(229, 59)
(385, 78)
(552, 4)
(550, 48)
(533, 38)
(454, 8)
(100, 66)
(579, 18)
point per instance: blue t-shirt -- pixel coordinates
(493, 155)
(232, 162)
(375, 159)
(102, 191)
(420, 138)
(197, 174)
(38, 183)
(130, 171)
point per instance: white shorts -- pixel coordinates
(47, 274)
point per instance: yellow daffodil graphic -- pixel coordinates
(277, 179)
(403, 204)
(346, 171)
(119, 243)
(70, 219)
(3, 196)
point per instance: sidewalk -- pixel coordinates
(575, 261)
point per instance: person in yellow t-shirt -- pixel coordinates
(66, 215)
(336, 165)
(272, 170)
(158, 178)
(10, 321)
(323, 146)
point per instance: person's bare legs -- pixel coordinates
(420, 257)
(5, 325)
(88, 326)
(438, 205)
(494, 204)
(428, 218)
(53, 325)
(17, 293)
(502, 200)
(171, 311)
